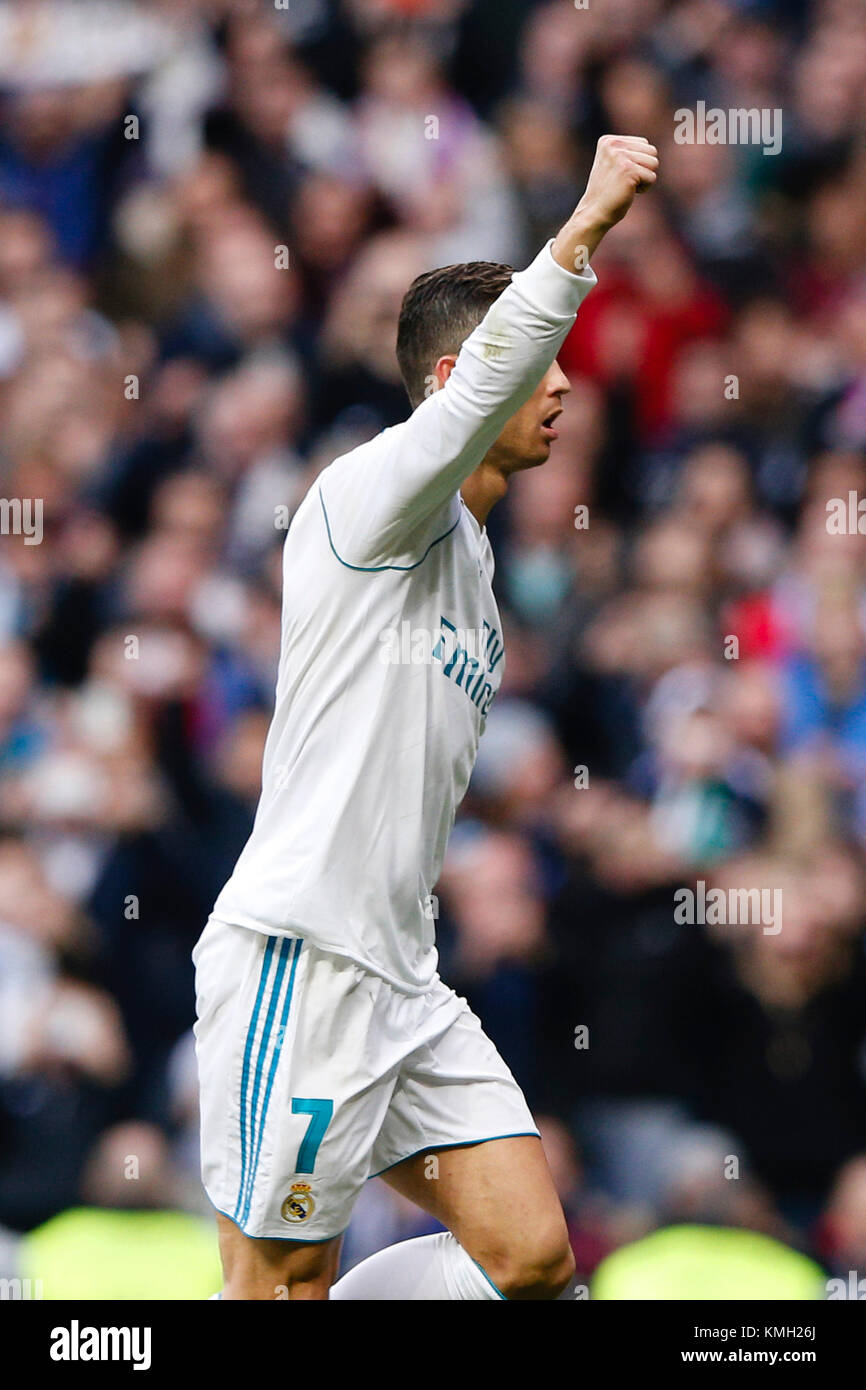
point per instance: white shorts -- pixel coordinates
(316, 1074)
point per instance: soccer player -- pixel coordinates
(329, 1049)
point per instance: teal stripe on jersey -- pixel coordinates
(275, 1057)
(378, 569)
(248, 1052)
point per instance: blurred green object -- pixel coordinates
(100, 1253)
(707, 1262)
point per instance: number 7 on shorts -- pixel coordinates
(320, 1112)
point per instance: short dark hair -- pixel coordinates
(440, 309)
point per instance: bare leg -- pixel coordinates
(274, 1269)
(507, 1238)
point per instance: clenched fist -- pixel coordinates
(624, 165)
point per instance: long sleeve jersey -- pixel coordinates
(391, 655)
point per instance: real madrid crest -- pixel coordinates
(299, 1205)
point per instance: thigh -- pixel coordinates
(496, 1197)
(460, 1141)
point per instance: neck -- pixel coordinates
(483, 489)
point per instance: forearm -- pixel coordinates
(577, 241)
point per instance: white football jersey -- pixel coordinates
(391, 655)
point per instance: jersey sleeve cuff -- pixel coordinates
(553, 290)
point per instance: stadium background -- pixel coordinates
(164, 387)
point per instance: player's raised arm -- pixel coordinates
(380, 501)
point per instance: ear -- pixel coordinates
(444, 367)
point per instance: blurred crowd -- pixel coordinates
(209, 213)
